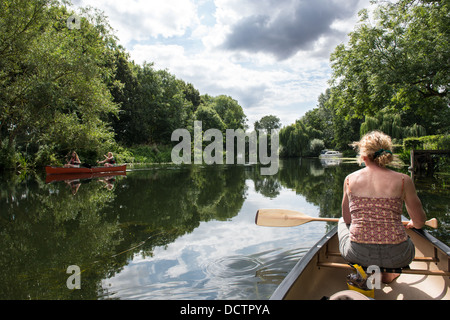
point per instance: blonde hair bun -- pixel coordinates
(377, 146)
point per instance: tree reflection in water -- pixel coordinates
(103, 223)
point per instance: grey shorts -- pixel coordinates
(381, 255)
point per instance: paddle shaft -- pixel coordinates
(430, 223)
(324, 219)
(290, 218)
(337, 220)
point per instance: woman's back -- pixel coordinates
(375, 204)
(376, 182)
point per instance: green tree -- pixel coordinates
(209, 117)
(124, 89)
(316, 146)
(191, 94)
(392, 125)
(268, 123)
(322, 118)
(173, 108)
(230, 112)
(153, 104)
(399, 61)
(64, 89)
(295, 139)
(53, 96)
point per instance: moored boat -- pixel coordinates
(330, 154)
(62, 170)
(322, 273)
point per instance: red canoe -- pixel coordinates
(82, 176)
(61, 170)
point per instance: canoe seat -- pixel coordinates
(421, 259)
(399, 270)
(390, 270)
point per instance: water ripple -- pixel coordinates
(232, 266)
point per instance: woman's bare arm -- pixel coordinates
(345, 205)
(413, 205)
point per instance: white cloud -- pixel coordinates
(190, 37)
(141, 20)
(286, 89)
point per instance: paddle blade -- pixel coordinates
(433, 223)
(280, 218)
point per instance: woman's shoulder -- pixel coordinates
(387, 174)
(355, 174)
(400, 175)
(407, 180)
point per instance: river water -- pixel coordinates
(170, 232)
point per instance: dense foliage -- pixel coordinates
(64, 89)
(392, 76)
(67, 87)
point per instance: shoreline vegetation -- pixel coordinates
(76, 89)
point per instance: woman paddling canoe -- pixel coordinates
(74, 161)
(109, 160)
(371, 231)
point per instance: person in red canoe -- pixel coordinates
(74, 161)
(109, 160)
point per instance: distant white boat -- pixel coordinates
(330, 154)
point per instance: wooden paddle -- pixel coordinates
(290, 218)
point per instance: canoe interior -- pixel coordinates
(309, 281)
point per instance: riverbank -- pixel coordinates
(144, 154)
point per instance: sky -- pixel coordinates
(272, 56)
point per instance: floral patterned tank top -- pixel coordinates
(376, 220)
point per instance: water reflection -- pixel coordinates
(331, 162)
(167, 232)
(47, 227)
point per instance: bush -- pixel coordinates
(46, 156)
(123, 155)
(404, 156)
(144, 154)
(316, 146)
(435, 142)
(7, 155)
(10, 158)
